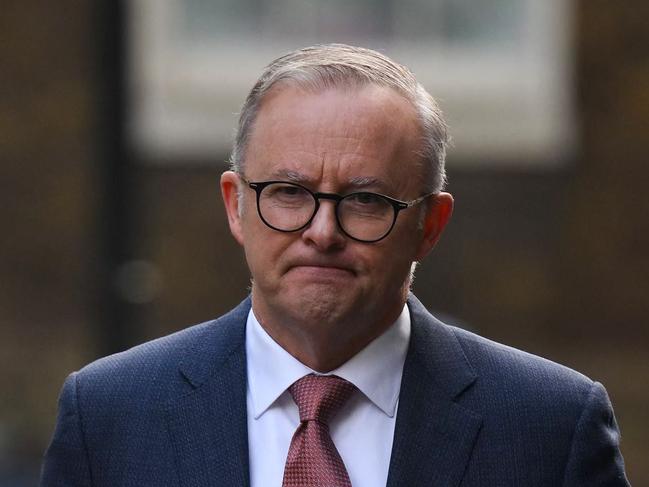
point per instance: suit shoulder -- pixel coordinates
(155, 353)
(493, 363)
(498, 363)
(157, 363)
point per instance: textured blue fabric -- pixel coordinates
(172, 412)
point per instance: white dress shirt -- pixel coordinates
(362, 430)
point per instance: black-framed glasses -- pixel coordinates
(363, 216)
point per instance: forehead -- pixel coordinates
(340, 133)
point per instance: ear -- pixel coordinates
(437, 216)
(230, 193)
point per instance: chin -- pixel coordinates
(321, 304)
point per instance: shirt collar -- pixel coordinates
(376, 370)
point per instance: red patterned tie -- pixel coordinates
(313, 460)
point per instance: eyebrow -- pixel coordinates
(357, 182)
(290, 175)
(365, 181)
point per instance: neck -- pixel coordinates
(320, 345)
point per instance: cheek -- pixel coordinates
(398, 256)
(410, 233)
(264, 248)
(254, 230)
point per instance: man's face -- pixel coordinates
(317, 280)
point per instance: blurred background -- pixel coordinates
(115, 123)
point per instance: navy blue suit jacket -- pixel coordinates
(172, 412)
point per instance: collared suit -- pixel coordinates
(172, 412)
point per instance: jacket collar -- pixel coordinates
(208, 424)
(434, 434)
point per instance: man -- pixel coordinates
(331, 373)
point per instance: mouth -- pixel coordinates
(322, 271)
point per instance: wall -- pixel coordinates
(555, 262)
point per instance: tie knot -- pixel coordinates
(319, 397)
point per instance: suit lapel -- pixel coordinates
(208, 425)
(434, 434)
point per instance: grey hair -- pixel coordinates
(321, 67)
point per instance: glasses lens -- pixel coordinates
(286, 206)
(366, 216)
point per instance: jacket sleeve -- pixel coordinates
(66, 459)
(595, 457)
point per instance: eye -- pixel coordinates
(281, 193)
(365, 200)
(285, 190)
(366, 205)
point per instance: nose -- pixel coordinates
(323, 231)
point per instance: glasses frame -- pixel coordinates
(397, 205)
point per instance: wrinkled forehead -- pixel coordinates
(355, 132)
